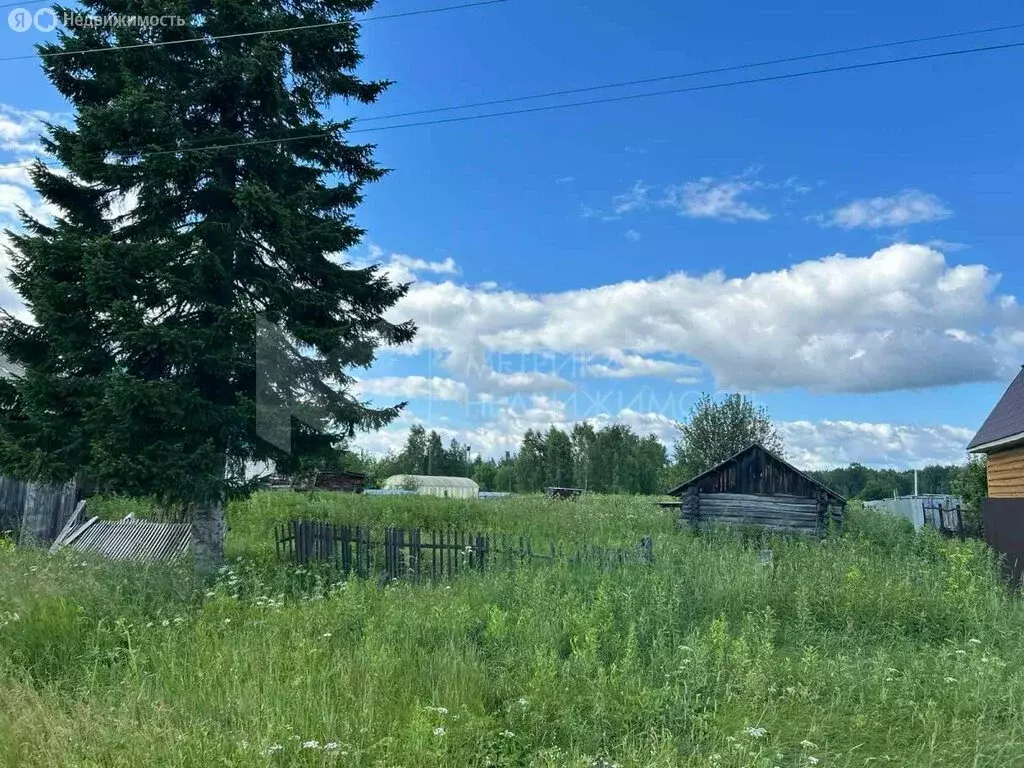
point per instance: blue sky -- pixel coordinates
(844, 248)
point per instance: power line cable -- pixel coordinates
(608, 100)
(662, 78)
(235, 35)
(697, 73)
(27, 2)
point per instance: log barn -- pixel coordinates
(758, 488)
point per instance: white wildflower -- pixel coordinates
(811, 760)
(439, 731)
(949, 680)
(974, 641)
(808, 744)
(165, 623)
(227, 621)
(149, 624)
(273, 748)
(522, 701)
(961, 652)
(211, 593)
(507, 734)
(327, 634)
(178, 619)
(311, 744)
(756, 732)
(331, 746)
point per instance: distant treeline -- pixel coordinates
(859, 482)
(613, 459)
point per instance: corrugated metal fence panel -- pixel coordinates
(135, 540)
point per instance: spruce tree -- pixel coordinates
(206, 198)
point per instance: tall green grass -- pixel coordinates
(879, 647)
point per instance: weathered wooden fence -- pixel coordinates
(33, 512)
(418, 555)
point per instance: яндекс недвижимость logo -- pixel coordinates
(45, 20)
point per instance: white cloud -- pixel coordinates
(633, 366)
(946, 246)
(446, 267)
(817, 445)
(705, 198)
(16, 191)
(401, 268)
(711, 199)
(633, 200)
(20, 129)
(411, 387)
(908, 207)
(9, 298)
(16, 173)
(633, 236)
(837, 324)
(565, 180)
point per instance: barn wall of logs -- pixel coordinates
(777, 512)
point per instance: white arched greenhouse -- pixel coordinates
(425, 485)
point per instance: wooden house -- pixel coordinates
(339, 482)
(758, 488)
(1001, 439)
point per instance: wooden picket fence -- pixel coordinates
(416, 555)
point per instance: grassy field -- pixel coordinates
(879, 647)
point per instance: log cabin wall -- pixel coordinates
(789, 514)
(1006, 474)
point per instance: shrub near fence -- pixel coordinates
(417, 555)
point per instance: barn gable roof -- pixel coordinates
(680, 489)
(1005, 425)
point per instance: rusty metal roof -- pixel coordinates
(131, 539)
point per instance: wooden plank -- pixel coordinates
(85, 527)
(1009, 482)
(69, 526)
(758, 501)
(1005, 469)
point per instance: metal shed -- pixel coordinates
(759, 488)
(427, 485)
